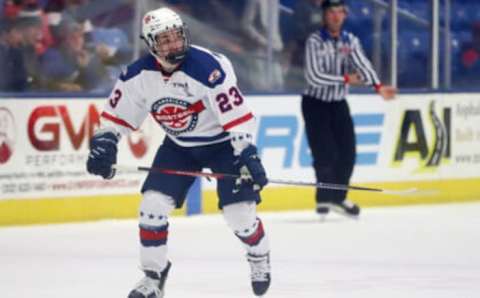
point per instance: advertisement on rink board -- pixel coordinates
(44, 147)
(415, 137)
(44, 143)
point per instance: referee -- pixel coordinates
(334, 59)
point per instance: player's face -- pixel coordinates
(334, 18)
(167, 42)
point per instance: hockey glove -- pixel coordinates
(103, 154)
(252, 173)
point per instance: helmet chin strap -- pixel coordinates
(171, 61)
(166, 65)
(174, 59)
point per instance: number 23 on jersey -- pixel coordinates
(227, 101)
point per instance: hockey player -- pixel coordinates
(192, 94)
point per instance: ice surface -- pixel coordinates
(421, 251)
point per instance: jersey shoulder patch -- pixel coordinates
(204, 67)
(146, 62)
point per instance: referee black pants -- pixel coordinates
(330, 134)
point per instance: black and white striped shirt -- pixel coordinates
(329, 60)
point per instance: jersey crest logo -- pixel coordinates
(176, 116)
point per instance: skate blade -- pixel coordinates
(342, 212)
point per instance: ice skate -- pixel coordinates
(151, 286)
(346, 207)
(260, 273)
(322, 210)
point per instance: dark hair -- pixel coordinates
(30, 5)
(326, 4)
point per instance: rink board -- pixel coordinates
(427, 141)
(297, 198)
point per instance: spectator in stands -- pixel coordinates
(265, 75)
(20, 69)
(13, 73)
(32, 8)
(471, 56)
(111, 44)
(62, 11)
(307, 17)
(10, 8)
(92, 14)
(71, 66)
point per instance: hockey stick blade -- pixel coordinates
(323, 185)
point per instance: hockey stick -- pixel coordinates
(323, 185)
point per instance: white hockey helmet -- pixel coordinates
(163, 20)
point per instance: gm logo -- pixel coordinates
(282, 132)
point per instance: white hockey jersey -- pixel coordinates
(198, 105)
